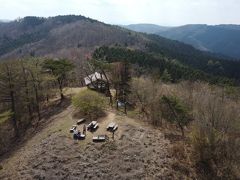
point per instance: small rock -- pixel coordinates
(129, 169)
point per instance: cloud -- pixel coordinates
(164, 12)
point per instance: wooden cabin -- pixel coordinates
(96, 81)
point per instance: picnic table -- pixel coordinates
(78, 135)
(99, 138)
(112, 126)
(73, 128)
(92, 126)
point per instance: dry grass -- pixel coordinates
(138, 151)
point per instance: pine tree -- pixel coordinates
(124, 87)
(174, 111)
(166, 77)
(8, 90)
(59, 69)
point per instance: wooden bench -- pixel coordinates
(115, 128)
(80, 121)
(95, 127)
(82, 136)
(99, 138)
(74, 127)
(92, 126)
(112, 126)
(79, 136)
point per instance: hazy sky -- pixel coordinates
(162, 12)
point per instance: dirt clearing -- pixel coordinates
(138, 152)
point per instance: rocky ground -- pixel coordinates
(138, 152)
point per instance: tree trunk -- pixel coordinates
(62, 96)
(12, 99)
(13, 108)
(60, 83)
(35, 87)
(125, 103)
(111, 101)
(117, 104)
(182, 129)
(30, 113)
(38, 102)
(108, 88)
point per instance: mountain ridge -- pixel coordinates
(146, 28)
(77, 37)
(220, 39)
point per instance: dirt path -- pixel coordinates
(138, 152)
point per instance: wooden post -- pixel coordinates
(113, 134)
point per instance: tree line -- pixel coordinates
(206, 112)
(156, 63)
(26, 85)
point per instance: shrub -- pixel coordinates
(176, 112)
(5, 116)
(89, 103)
(146, 95)
(215, 137)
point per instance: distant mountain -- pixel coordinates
(147, 28)
(219, 39)
(77, 37)
(222, 39)
(4, 20)
(61, 36)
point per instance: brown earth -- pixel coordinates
(138, 152)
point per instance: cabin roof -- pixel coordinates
(93, 77)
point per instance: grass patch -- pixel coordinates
(109, 146)
(5, 116)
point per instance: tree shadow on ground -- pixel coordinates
(54, 108)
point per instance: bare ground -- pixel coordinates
(138, 152)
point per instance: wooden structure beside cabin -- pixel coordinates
(96, 81)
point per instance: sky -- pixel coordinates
(161, 12)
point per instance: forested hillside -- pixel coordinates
(159, 64)
(222, 39)
(176, 107)
(188, 55)
(76, 37)
(218, 39)
(68, 36)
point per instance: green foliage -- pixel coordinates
(31, 21)
(175, 111)
(150, 62)
(5, 116)
(8, 44)
(69, 18)
(25, 89)
(24, 86)
(194, 58)
(89, 103)
(124, 87)
(166, 77)
(100, 65)
(60, 69)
